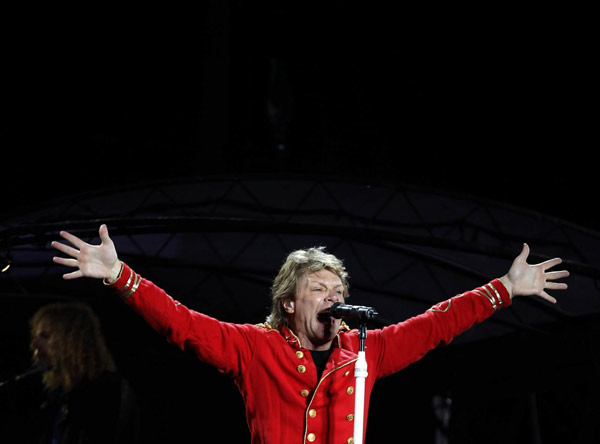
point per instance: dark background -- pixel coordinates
(494, 102)
(432, 95)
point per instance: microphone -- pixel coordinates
(339, 310)
(36, 368)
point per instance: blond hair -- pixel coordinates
(300, 263)
(78, 349)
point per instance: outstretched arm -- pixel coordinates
(524, 279)
(94, 261)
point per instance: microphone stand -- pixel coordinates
(360, 374)
(339, 310)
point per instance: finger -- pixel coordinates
(524, 254)
(66, 249)
(73, 275)
(78, 243)
(556, 286)
(547, 297)
(103, 232)
(550, 263)
(66, 261)
(553, 275)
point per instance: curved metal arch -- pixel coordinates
(406, 247)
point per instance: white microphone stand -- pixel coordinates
(339, 310)
(360, 374)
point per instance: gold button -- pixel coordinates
(312, 413)
(350, 417)
(299, 354)
(347, 373)
(350, 390)
(350, 440)
(304, 393)
(311, 437)
(301, 368)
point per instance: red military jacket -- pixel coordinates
(285, 404)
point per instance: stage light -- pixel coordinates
(5, 262)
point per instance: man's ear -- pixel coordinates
(288, 306)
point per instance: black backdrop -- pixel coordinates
(426, 96)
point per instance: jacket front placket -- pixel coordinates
(330, 404)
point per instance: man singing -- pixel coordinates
(295, 372)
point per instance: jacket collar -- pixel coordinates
(293, 340)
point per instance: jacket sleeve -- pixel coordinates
(404, 343)
(226, 346)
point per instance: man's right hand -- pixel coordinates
(94, 261)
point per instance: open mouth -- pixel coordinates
(325, 317)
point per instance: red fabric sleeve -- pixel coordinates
(404, 343)
(226, 346)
